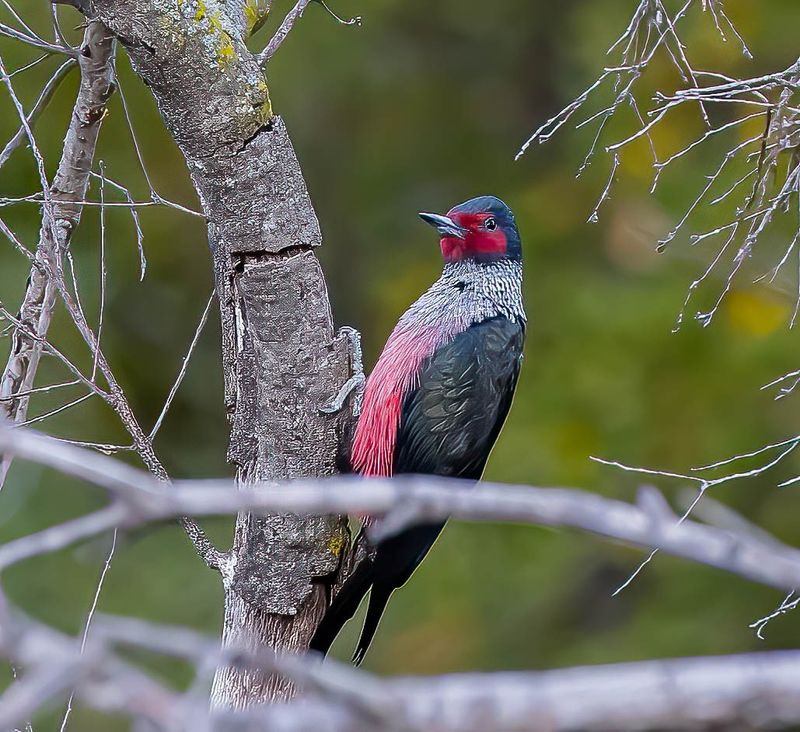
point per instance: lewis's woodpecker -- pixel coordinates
(440, 391)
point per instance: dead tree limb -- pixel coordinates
(41, 104)
(735, 692)
(280, 355)
(60, 219)
(283, 31)
(745, 692)
(138, 499)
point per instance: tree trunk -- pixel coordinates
(281, 357)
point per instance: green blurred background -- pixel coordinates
(423, 106)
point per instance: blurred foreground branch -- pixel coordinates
(136, 499)
(748, 691)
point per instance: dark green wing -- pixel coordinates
(449, 423)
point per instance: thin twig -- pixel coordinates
(184, 366)
(39, 106)
(87, 624)
(36, 41)
(283, 31)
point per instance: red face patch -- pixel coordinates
(484, 237)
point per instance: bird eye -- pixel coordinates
(490, 224)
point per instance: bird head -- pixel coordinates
(481, 229)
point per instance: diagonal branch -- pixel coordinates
(35, 41)
(60, 220)
(288, 23)
(283, 31)
(41, 103)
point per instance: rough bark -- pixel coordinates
(58, 222)
(280, 354)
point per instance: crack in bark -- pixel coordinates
(267, 127)
(243, 259)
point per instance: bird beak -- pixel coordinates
(444, 225)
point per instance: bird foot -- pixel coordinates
(355, 384)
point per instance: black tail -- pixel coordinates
(395, 560)
(344, 606)
(378, 598)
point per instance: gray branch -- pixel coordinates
(41, 104)
(283, 31)
(758, 691)
(60, 220)
(35, 41)
(401, 501)
(737, 692)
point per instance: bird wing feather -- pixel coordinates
(449, 423)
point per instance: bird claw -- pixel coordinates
(355, 384)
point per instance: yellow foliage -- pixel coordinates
(756, 312)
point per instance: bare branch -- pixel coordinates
(402, 501)
(48, 347)
(650, 30)
(39, 106)
(63, 535)
(355, 20)
(87, 625)
(756, 691)
(184, 366)
(753, 691)
(61, 216)
(11, 236)
(288, 23)
(35, 41)
(36, 689)
(157, 200)
(789, 603)
(283, 30)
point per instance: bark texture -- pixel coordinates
(281, 357)
(58, 222)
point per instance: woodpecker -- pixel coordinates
(439, 393)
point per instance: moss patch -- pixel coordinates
(336, 543)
